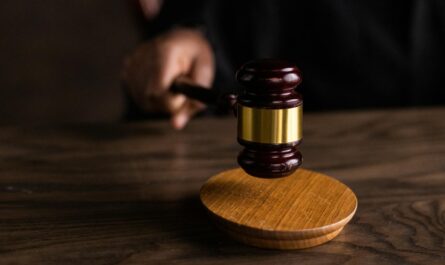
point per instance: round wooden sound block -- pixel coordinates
(302, 210)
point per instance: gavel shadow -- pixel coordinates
(188, 229)
(187, 221)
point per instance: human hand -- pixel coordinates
(152, 68)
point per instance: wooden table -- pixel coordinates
(128, 193)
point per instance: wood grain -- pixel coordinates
(302, 210)
(128, 194)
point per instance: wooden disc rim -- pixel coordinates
(227, 197)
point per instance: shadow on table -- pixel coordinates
(189, 233)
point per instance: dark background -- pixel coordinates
(60, 60)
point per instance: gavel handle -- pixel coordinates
(187, 87)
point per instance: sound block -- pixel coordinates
(302, 210)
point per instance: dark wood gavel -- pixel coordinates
(269, 112)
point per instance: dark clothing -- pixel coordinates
(353, 54)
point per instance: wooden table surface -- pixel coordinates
(128, 193)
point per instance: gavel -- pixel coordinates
(269, 112)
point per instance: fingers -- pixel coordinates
(201, 71)
(153, 67)
(168, 65)
(185, 113)
(149, 73)
(195, 62)
(168, 69)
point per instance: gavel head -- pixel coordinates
(269, 118)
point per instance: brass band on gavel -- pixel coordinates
(270, 126)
